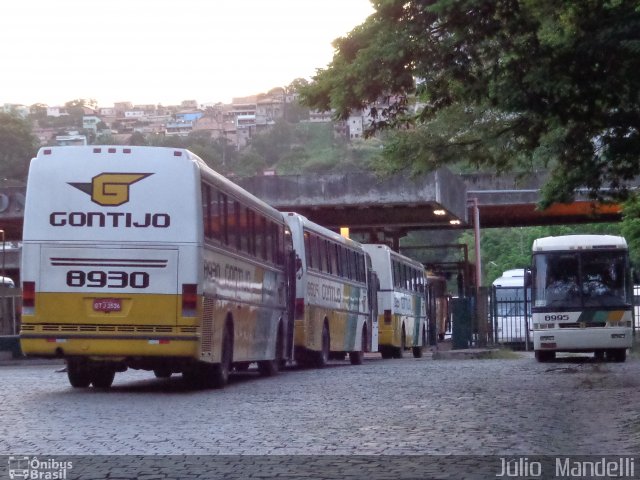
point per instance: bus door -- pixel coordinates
(373, 286)
(292, 265)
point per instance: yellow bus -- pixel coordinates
(334, 314)
(401, 302)
(145, 258)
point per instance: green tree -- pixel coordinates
(137, 138)
(502, 84)
(507, 248)
(630, 228)
(18, 146)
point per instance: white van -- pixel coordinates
(509, 308)
(7, 282)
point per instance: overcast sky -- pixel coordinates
(164, 51)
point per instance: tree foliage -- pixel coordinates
(507, 248)
(630, 228)
(503, 84)
(18, 146)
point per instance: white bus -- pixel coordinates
(508, 307)
(145, 258)
(401, 302)
(333, 309)
(582, 296)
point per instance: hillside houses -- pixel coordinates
(237, 121)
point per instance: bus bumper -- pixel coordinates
(582, 339)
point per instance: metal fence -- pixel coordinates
(10, 308)
(636, 308)
(510, 317)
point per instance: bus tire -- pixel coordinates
(417, 352)
(78, 374)
(357, 357)
(618, 355)
(386, 352)
(544, 356)
(102, 377)
(398, 352)
(321, 358)
(218, 377)
(162, 372)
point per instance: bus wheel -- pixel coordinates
(219, 375)
(321, 358)
(544, 356)
(241, 366)
(78, 374)
(102, 377)
(617, 355)
(162, 372)
(386, 352)
(398, 352)
(357, 357)
(418, 351)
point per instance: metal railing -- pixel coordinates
(10, 308)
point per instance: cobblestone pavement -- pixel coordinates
(495, 407)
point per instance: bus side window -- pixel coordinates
(333, 256)
(221, 219)
(315, 254)
(353, 260)
(260, 244)
(344, 261)
(206, 209)
(233, 217)
(280, 245)
(307, 249)
(269, 242)
(248, 231)
(243, 228)
(277, 243)
(396, 274)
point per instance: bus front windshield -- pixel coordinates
(580, 279)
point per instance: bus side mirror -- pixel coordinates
(527, 278)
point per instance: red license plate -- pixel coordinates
(107, 304)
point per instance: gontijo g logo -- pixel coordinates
(110, 189)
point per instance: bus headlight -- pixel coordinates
(618, 335)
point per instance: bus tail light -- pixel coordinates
(299, 311)
(189, 299)
(28, 297)
(387, 317)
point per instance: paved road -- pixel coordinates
(497, 407)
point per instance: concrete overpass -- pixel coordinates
(398, 204)
(390, 206)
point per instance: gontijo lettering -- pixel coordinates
(109, 219)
